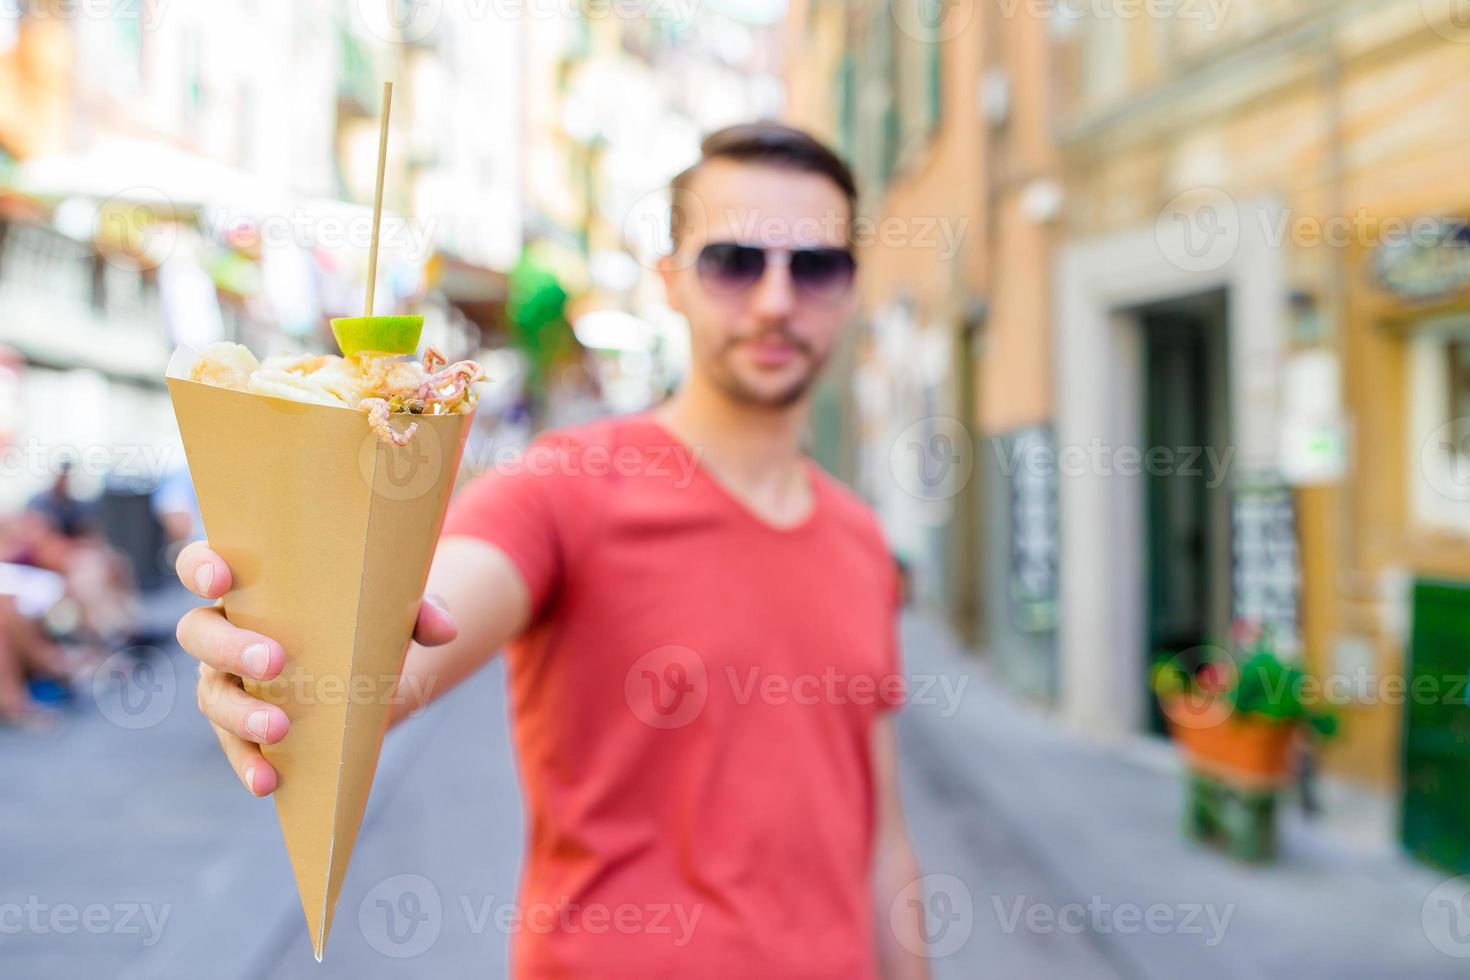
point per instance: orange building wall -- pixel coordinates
(35, 93)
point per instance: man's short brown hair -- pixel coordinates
(767, 143)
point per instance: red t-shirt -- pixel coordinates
(693, 705)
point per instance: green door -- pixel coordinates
(1436, 815)
(1186, 546)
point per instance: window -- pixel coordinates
(934, 74)
(883, 87)
(1439, 437)
(847, 109)
(1458, 407)
(916, 77)
(1104, 58)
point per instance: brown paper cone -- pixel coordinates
(328, 532)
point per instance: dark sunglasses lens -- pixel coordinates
(825, 271)
(730, 267)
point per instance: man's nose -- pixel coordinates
(774, 294)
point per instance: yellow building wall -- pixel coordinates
(35, 95)
(1403, 101)
(935, 204)
(1016, 369)
(971, 178)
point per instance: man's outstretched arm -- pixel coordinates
(479, 601)
(485, 594)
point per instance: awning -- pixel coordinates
(142, 172)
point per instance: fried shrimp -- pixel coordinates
(225, 365)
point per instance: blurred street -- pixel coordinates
(1044, 857)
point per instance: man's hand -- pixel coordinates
(226, 654)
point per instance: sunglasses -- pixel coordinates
(820, 273)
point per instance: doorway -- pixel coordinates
(1185, 416)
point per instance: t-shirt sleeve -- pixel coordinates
(514, 510)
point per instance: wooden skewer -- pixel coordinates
(372, 276)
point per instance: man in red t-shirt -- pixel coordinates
(700, 625)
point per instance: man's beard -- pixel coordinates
(728, 380)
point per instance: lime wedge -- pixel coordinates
(378, 334)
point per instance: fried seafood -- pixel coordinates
(380, 385)
(225, 365)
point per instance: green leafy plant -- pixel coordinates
(1268, 687)
(1253, 680)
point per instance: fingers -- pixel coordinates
(206, 635)
(235, 717)
(250, 766)
(435, 625)
(230, 709)
(203, 572)
(240, 722)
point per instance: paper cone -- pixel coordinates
(328, 532)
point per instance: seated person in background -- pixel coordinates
(71, 518)
(27, 594)
(97, 577)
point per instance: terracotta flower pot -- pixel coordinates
(1246, 750)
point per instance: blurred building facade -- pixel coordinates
(193, 172)
(617, 105)
(944, 111)
(1262, 255)
(1206, 331)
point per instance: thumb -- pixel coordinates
(435, 625)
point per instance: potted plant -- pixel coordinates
(1237, 715)
(1236, 718)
